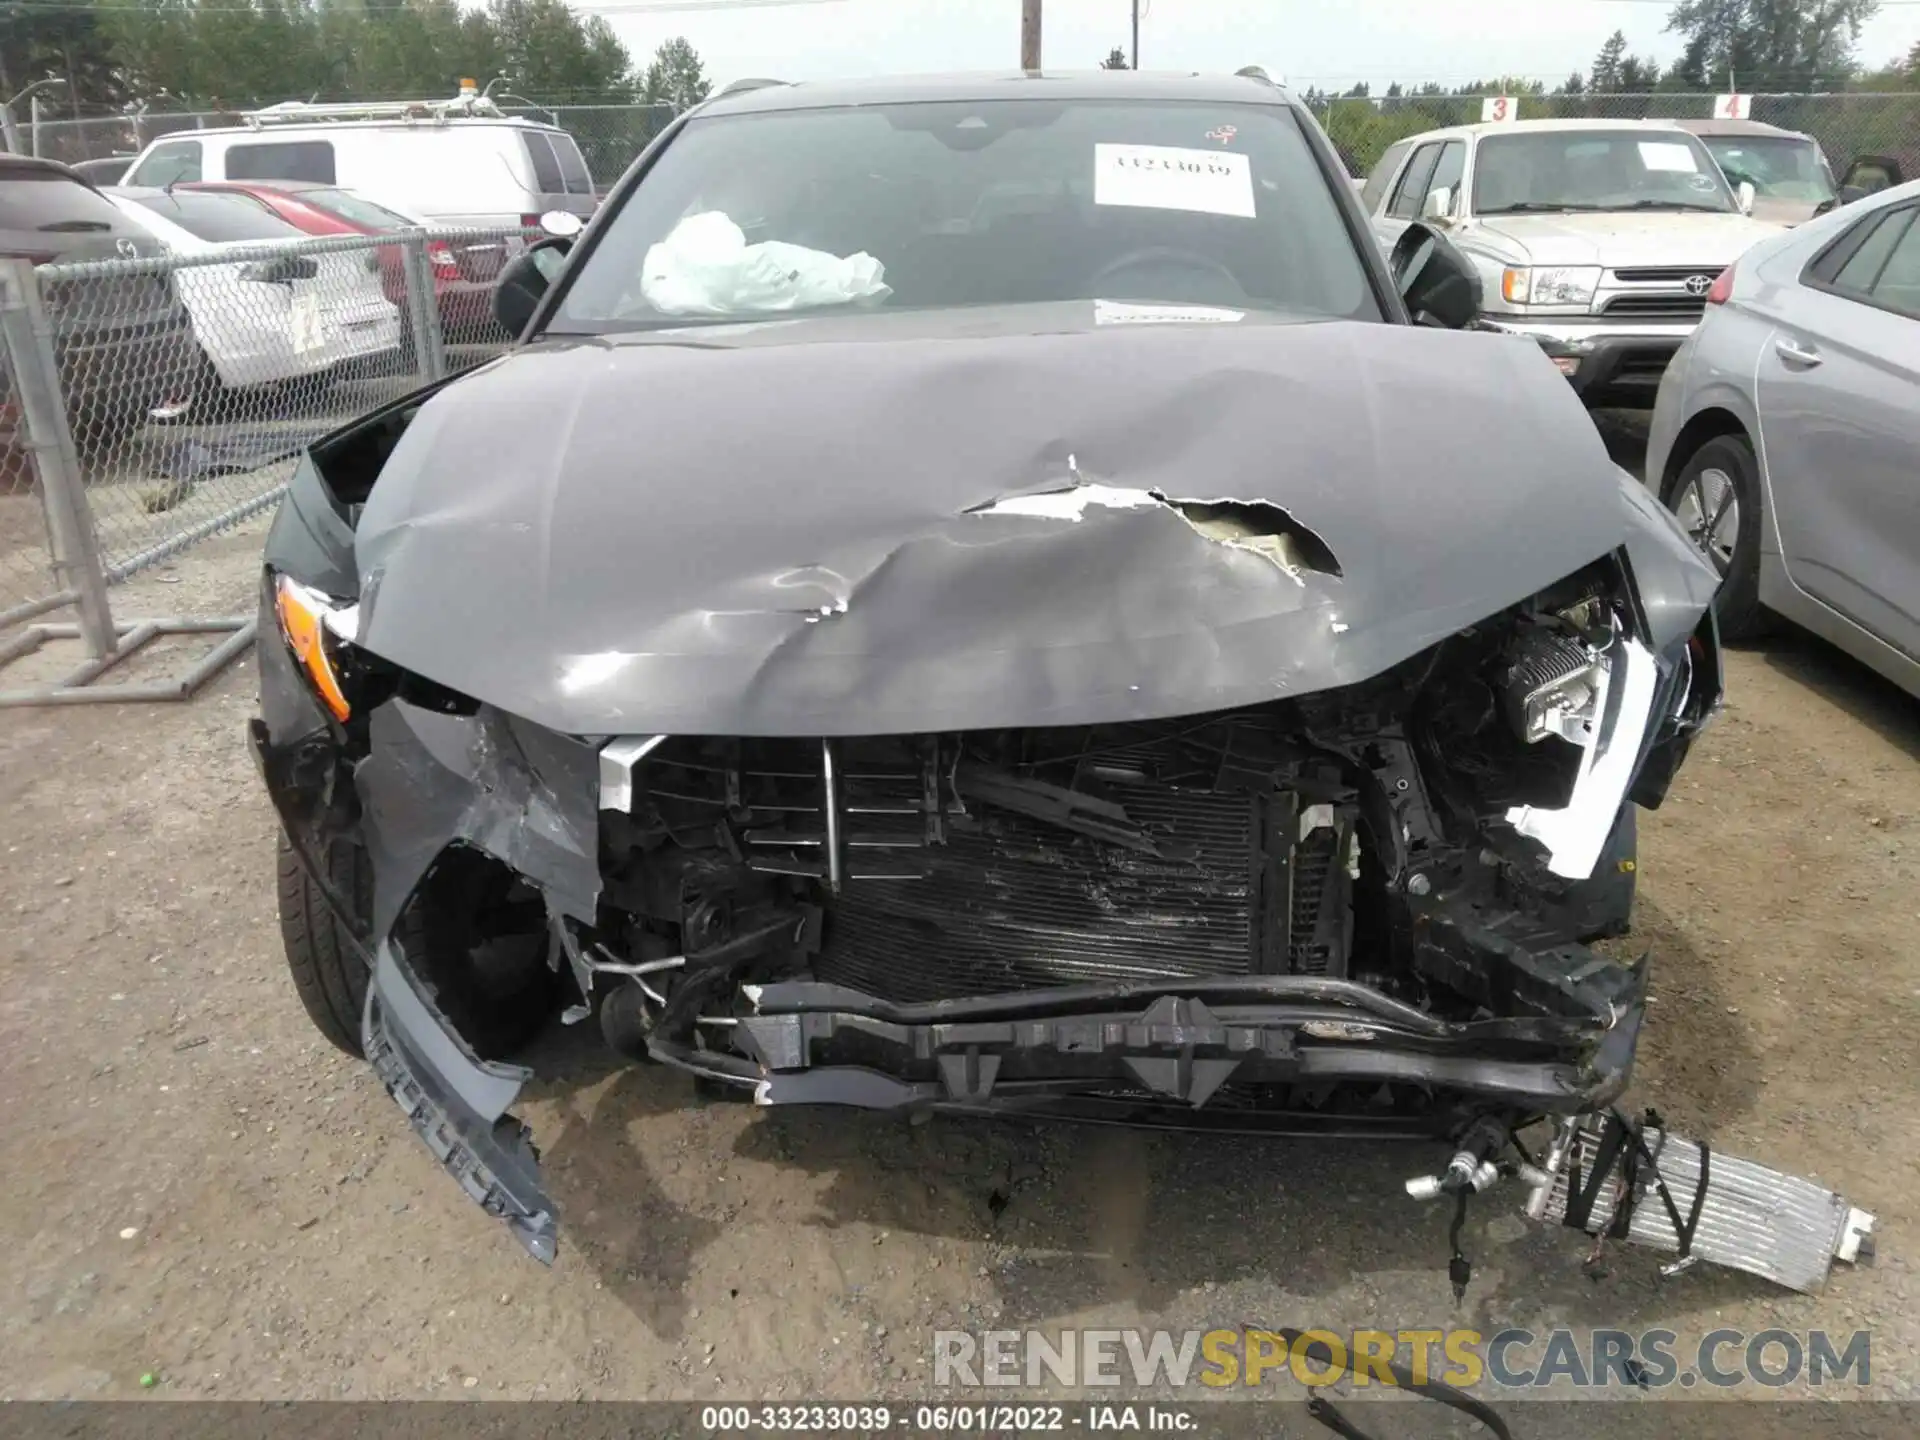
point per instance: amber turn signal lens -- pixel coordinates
(303, 624)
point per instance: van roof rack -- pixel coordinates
(470, 103)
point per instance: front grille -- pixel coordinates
(1656, 307)
(1665, 274)
(1016, 905)
(988, 862)
(112, 303)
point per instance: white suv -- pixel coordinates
(1598, 238)
(458, 162)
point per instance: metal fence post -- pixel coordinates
(28, 338)
(423, 312)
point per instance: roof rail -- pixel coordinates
(468, 104)
(740, 87)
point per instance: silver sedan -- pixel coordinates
(1786, 433)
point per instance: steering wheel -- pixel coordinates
(1164, 254)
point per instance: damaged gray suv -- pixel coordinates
(990, 596)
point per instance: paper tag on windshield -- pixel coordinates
(1658, 156)
(309, 331)
(1165, 177)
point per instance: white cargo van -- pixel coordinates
(452, 162)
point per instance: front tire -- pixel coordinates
(1716, 498)
(328, 972)
(493, 986)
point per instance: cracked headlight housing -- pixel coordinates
(1550, 285)
(316, 630)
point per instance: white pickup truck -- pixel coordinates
(1601, 239)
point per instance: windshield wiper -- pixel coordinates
(1541, 207)
(1675, 205)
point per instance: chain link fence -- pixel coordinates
(149, 403)
(1845, 125)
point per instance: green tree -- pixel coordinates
(1769, 42)
(1116, 60)
(547, 52)
(70, 43)
(251, 52)
(675, 77)
(1605, 75)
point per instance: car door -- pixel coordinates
(1408, 191)
(1839, 391)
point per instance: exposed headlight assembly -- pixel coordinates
(1550, 285)
(1604, 704)
(316, 629)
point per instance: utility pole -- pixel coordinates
(1136, 34)
(1030, 34)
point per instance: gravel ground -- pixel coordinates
(202, 1190)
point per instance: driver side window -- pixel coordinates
(1413, 185)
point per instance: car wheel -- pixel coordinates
(1716, 498)
(328, 972)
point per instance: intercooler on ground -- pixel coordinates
(1777, 1226)
(1001, 861)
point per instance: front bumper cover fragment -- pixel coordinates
(457, 1105)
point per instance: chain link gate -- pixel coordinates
(152, 403)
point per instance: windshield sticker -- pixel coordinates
(1658, 155)
(1166, 177)
(1223, 133)
(1120, 312)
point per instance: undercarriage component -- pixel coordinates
(1607, 1175)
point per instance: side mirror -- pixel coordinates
(524, 283)
(1438, 283)
(282, 270)
(1871, 174)
(1746, 194)
(1438, 204)
(561, 225)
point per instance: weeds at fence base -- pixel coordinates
(78, 688)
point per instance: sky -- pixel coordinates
(1299, 42)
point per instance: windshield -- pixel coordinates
(45, 200)
(1596, 170)
(210, 215)
(355, 210)
(1784, 167)
(945, 204)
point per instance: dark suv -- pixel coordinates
(124, 342)
(984, 594)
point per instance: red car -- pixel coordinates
(463, 275)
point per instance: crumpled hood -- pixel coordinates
(779, 528)
(1653, 237)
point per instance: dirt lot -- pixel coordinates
(202, 1190)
